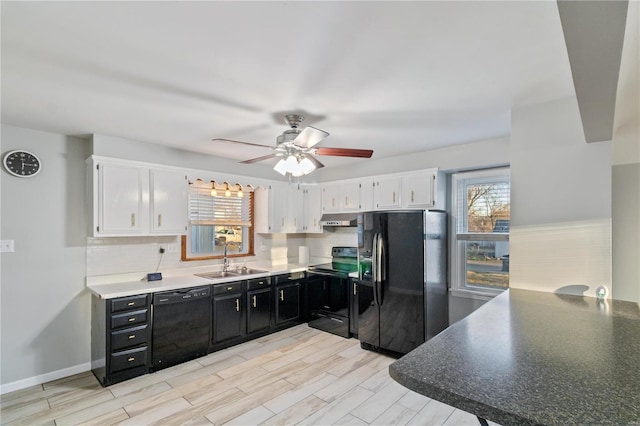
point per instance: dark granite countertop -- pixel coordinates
(530, 357)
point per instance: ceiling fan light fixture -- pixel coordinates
(281, 167)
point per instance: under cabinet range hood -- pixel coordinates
(339, 219)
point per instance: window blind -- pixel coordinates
(205, 209)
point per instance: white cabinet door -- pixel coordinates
(270, 209)
(386, 193)
(168, 202)
(419, 190)
(121, 206)
(331, 195)
(350, 197)
(366, 195)
(295, 212)
(312, 206)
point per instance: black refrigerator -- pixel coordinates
(402, 285)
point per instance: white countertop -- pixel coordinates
(112, 286)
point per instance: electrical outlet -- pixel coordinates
(171, 248)
(6, 246)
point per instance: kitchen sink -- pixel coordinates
(232, 273)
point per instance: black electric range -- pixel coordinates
(328, 296)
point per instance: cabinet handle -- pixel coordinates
(132, 319)
(346, 201)
(131, 359)
(159, 220)
(282, 295)
(133, 220)
(394, 196)
(295, 222)
(315, 222)
(283, 221)
(255, 303)
(131, 303)
(333, 201)
(237, 305)
(132, 336)
(412, 195)
(355, 289)
(229, 288)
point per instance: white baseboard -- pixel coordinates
(44, 378)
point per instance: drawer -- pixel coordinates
(258, 283)
(285, 278)
(128, 337)
(129, 318)
(234, 287)
(129, 359)
(129, 303)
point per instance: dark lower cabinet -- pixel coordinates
(228, 315)
(120, 338)
(287, 302)
(258, 310)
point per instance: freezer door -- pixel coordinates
(402, 320)
(368, 314)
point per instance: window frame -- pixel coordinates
(186, 255)
(459, 286)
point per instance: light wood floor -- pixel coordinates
(296, 376)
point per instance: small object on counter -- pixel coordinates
(303, 255)
(154, 276)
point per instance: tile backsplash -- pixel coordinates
(119, 255)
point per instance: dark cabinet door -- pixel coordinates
(227, 317)
(258, 310)
(287, 302)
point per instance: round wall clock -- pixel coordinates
(22, 163)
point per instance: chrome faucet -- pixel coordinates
(225, 259)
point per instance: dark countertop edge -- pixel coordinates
(476, 408)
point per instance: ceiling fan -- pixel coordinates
(297, 148)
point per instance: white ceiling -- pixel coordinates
(395, 77)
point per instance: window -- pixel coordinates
(480, 248)
(219, 216)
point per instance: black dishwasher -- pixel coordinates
(181, 321)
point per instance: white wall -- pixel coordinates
(560, 202)
(625, 198)
(45, 311)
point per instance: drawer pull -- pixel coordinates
(255, 304)
(130, 359)
(237, 305)
(355, 289)
(229, 288)
(282, 295)
(131, 303)
(132, 319)
(132, 336)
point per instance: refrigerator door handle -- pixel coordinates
(382, 273)
(374, 268)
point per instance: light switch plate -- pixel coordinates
(6, 246)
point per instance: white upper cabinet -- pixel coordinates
(351, 197)
(168, 202)
(120, 199)
(271, 209)
(294, 219)
(343, 197)
(132, 200)
(312, 208)
(386, 193)
(419, 190)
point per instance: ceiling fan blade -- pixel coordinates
(345, 152)
(255, 160)
(244, 143)
(314, 160)
(309, 137)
